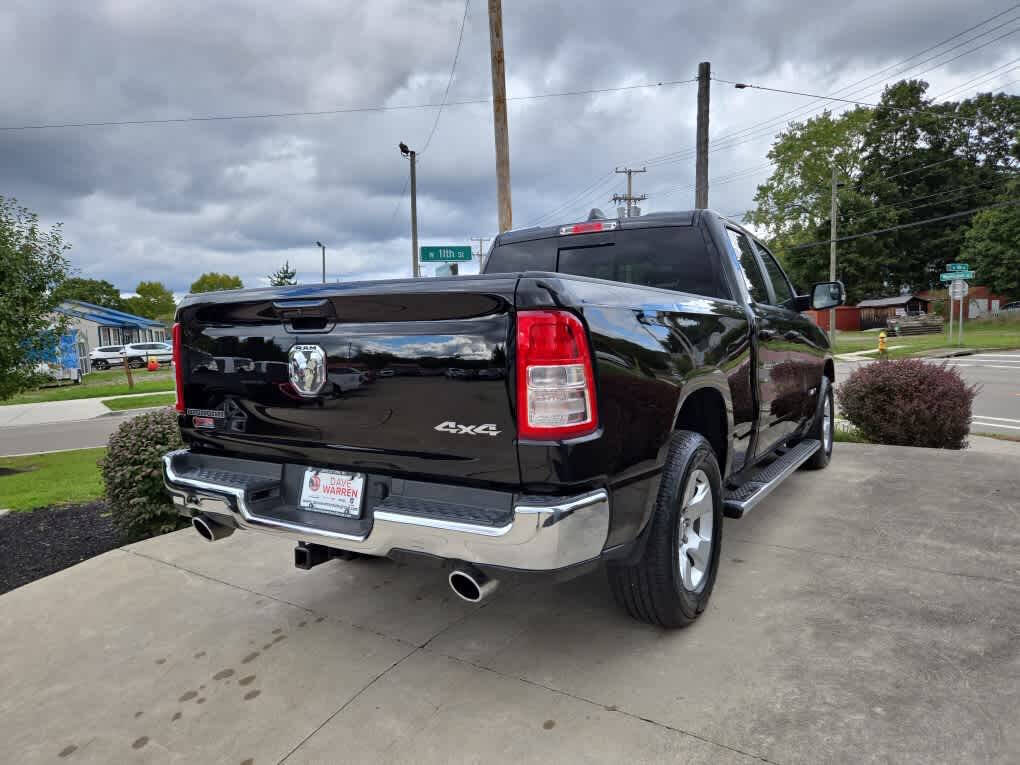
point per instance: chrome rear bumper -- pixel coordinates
(542, 534)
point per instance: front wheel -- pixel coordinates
(136, 363)
(671, 584)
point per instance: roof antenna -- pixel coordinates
(596, 214)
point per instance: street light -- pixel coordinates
(414, 208)
(323, 260)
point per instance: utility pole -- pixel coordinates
(323, 248)
(502, 134)
(833, 215)
(629, 197)
(701, 164)
(413, 156)
(481, 247)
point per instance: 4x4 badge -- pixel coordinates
(467, 430)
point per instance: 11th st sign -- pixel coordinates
(446, 254)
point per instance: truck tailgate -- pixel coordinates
(416, 376)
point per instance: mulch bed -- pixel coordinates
(41, 542)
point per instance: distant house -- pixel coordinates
(876, 311)
(980, 301)
(98, 326)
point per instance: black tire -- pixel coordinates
(821, 458)
(100, 365)
(136, 363)
(652, 590)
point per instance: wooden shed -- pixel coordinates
(875, 312)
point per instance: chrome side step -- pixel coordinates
(740, 501)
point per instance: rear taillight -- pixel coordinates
(178, 369)
(555, 384)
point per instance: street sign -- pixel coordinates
(954, 275)
(958, 290)
(446, 254)
(957, 267)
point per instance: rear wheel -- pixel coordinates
(671, 584)
(136, 363)
(823, 429)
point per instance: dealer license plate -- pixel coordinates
(329, 491)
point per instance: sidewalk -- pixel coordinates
(45, 412)
(859, 614)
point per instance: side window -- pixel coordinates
(752, 274)
(780, 285)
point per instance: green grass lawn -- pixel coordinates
(42, 480)
(109, 383)
(977, 334)
(140, 402)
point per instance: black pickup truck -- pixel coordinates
(604, 392)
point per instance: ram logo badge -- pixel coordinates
(467, 430)
(307, 369)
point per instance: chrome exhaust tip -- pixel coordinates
(470, 584)
(211, 530)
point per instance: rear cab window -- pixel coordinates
(668, 257)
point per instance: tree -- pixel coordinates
(213, 282)
(95, 291)
(992, 246)
(793, 205)
(32, 266)
(904, 161)
(153, 301)
(284, 276)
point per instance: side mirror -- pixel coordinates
(825, 295)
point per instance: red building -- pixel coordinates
(848, 318)
(980, 302)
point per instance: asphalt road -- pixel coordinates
(59, 436)
(997, 406)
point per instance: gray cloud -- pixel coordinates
(171, 201)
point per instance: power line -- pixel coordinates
(904, 110)
(348, 110)
(764, 127)
(449, 82)
(779, 117)
(954, 194)
(755, 131)
(906, 225)
(990, 74)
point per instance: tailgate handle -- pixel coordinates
(306, 315)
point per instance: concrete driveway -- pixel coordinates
(870, 613)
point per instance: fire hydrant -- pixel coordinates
(882, 349)
(153, 365)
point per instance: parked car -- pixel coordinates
(106, 356)
(138, 354)
(662, 376)
(345, 378)
(1011, 307)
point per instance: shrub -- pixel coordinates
(908, 402)
(132, 472)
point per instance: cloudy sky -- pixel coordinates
(169, 201)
